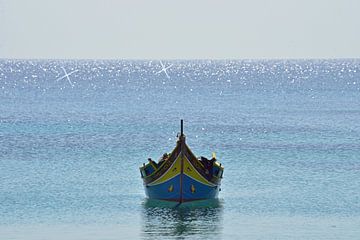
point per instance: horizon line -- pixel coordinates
(180, 59)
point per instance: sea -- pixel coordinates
(73, 134)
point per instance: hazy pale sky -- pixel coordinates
(179, 29)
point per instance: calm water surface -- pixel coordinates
(287, 132)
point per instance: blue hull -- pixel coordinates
(184, 189)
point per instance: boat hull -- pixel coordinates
(182, 183)
(191, 190)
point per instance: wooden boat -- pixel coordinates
(181, 177)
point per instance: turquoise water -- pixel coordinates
(287, 132)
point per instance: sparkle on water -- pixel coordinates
(287, 132)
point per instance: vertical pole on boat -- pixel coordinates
(182, 127)
(182, 149)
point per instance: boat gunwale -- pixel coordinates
(214, 179)
(148, 179)
(197, 164)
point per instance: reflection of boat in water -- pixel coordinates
(196, 220)
(181, 177)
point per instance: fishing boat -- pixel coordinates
(180, 176)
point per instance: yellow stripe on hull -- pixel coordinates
(191, 172)
(172, 172)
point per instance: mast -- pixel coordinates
(182, 149)
(182, 127)
(182, 135)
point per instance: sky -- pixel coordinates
(179, 29)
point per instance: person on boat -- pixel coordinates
(153, 163)
(163, 159)
(211, 164)
(204, 161)
(208, 166)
